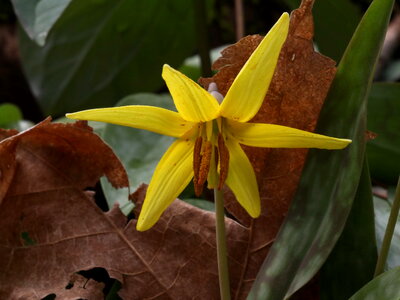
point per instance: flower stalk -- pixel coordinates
(222, 254)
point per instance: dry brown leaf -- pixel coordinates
(181, 251)
(47, 169)
(50, 228)
(7, 162)
(295, 97)
(80, 287)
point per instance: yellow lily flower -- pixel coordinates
(209, 133)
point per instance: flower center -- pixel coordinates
(211, 156)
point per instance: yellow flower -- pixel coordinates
(209, 133)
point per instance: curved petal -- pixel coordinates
(277, 136)
(173, 173)
(150, 118)
(242, 180)
(192, 101)
(247, 92)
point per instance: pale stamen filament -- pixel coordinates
(213, 90)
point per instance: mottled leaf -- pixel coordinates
(384, 287)
(352, 262)
(38, 16)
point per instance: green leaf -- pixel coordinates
(352, 262)
(330, 178)
(383, 287)
(100, 51)
(37, 17)
(382, 212)
(139, 150)
(201, 203)
(191, 66)
(384, 152)
(9, 114)
(335, 22)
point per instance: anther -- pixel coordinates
(205, 163)
(196, 165)
(223, 161)
(201, 163)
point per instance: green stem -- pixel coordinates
(387, 239)
(223, 271)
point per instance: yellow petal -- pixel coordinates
(242, 180)
(150, 118)
(247, 92)
(192, 101)
(276, 136)
(173, 173)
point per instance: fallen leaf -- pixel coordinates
(80, 287)
(50, 227)
(45, 171)
(295, 97)
(7, 162)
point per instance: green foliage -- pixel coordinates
(200, 203)
(99, 51)
(352, 262)
(329, 181)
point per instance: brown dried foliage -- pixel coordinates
(50, 227)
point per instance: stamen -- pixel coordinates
(201, 163)
(196, 165)
(212, 87)
(213, 90)
(205, 163)
(223, 161)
